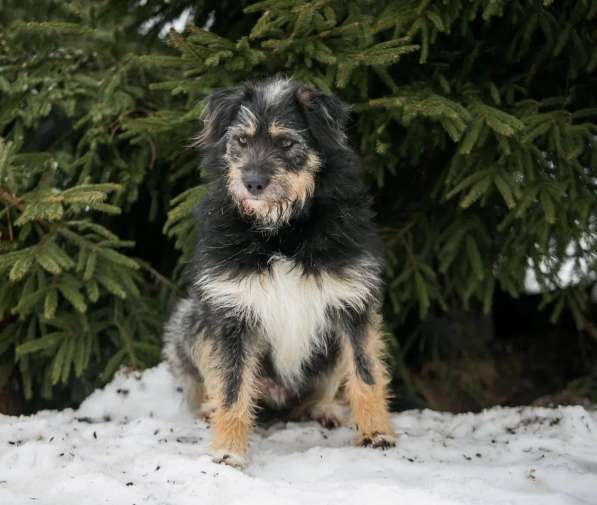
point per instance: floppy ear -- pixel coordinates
(326, 115)
(218, 114)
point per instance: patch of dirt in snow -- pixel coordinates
(134, 442)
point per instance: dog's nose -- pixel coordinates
(255, 183)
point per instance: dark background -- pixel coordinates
(476, 125)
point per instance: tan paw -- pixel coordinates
(330, 415)
(377, 440)
(232, 459)
(206, 410)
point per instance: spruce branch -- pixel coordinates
(11, 199)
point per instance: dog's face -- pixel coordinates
(271, 137)
(272, 165)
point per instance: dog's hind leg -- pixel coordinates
(366, 381)
(323, 404)
(198, 399)
(182, 335)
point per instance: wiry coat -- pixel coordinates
(285, 286)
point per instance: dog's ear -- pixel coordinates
(326, 115)
(221, 108)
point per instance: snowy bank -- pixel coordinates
(135, 443)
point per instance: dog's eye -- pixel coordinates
(242, 140)
(287, 143)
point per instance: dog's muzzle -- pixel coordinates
(255, 183)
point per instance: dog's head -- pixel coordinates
(272, 138)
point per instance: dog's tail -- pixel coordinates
(180, 337)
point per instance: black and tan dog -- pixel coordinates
(284, 301)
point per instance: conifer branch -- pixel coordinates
(11, 199)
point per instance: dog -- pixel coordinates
(283, 307)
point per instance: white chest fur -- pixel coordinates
(289, 306)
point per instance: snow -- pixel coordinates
(134, 442)
(179, 24)
(575, 268)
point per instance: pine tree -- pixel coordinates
(75, 300)
(476, 121)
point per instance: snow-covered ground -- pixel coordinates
(135, 443)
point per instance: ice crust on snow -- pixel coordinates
(135, 442)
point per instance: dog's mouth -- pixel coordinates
(251, 206)
(267, 210)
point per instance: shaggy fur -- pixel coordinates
(284, 297)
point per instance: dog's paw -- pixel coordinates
(377, 440)
(206, 410)
(232, 459)
(329, 415)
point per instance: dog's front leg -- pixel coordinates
(366, 380)
(230, 369)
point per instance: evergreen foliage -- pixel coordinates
(476, 121)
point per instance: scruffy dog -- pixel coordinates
(284, 304)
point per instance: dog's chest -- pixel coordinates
(289, 307)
